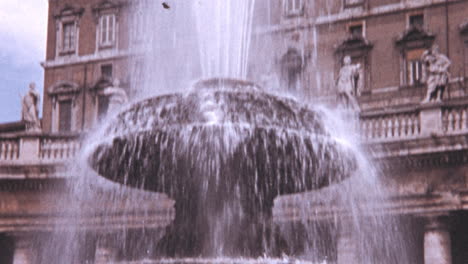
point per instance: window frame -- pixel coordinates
(412, 78)
(295, 11)
(105, 38)
(68, 15)
(413, 14)
(354, 24)
(357, 3)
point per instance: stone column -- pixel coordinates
(346, 245)
(24, 250)
(437, 247)
(106, 251)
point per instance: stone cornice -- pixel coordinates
(297, 208)
(98, 56)
(351, 14)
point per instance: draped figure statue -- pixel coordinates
(30, 109)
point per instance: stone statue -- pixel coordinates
(347, 84)
(437, 65)
(117, 96)
(30, 109)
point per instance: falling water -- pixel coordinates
(238, 146)
(224, 30)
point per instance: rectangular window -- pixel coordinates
(106, 71)
(415, 67)
(65, 115)
(68, 37)
(356, 30)
(107, 30)
(293, 7)
(416, 20)
(353, 3)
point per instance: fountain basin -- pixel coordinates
(223, 152)
(232, 134)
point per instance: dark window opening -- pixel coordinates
(416, 21)
(106, 71)
(356, 30)
(103, 106)
(65, 115)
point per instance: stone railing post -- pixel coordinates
(437, 246)
(29, 145)
(431, 119)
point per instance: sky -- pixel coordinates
(23, 27)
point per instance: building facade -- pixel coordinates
(422, 149)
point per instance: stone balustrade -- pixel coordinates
(9, 148)
(396, 125)
(37, 148)
(58, 148)
(455, 119)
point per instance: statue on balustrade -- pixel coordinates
(437, 65)
(347, 84)
(30, 109)
(117, 96)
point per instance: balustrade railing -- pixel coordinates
(9, 148)
(38, 148)
(455, 119)
(391, 125)
(58, 148)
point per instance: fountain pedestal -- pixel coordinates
(437, 248)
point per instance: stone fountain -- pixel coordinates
(223, 151)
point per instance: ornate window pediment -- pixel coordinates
(69, 11)
(102, 83)
(107, 5)
(63, 90)
(354, 46)
(63, 87)
(415, 37)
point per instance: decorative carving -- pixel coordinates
(414, 38)
(63, 88)
(30, 109)
(437, 65)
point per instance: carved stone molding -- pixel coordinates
(425, 161)
(415, 38)
(32, 185)
(353, 46)
(63, 89)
